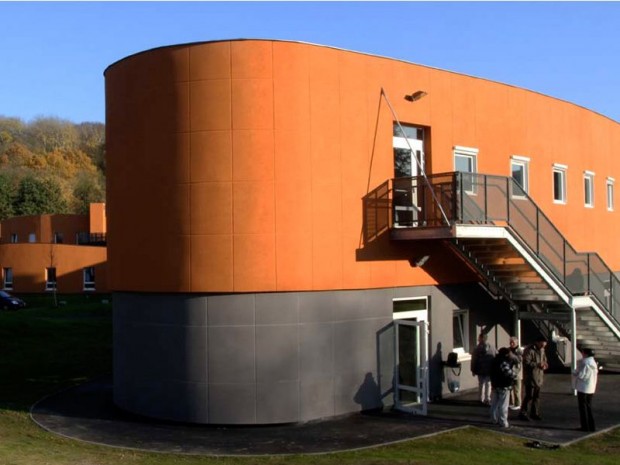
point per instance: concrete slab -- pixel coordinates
(87, 413)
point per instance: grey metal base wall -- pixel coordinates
(259, 358)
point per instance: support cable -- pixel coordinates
(420, 167)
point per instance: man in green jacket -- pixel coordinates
(534, 366)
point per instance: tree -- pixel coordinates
(88, 189)
(8, 192)
(39, 197)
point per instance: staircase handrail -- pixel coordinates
(605, 294)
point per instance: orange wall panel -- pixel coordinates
(210, 61)
(211, 262)
(254, 263)
(254, 155)
(210, 156)
(210, 103)
(211, 208)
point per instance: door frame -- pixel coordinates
(421, 407)
(415, 147)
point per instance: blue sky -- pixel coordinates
(52, 55)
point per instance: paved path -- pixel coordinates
(86, 413)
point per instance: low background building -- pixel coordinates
(66, 253)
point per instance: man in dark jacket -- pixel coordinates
(534, 366)
(503, 375)
(481, 362)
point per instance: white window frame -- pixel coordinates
(472, 154)
(588, 189)
(524, 162)
(51, 285)
(610, 194)
(7, 284)
(89, 286)
(562, 171)
(419, 315)
(463, 352)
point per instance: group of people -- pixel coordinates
(501, 375)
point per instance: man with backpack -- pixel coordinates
(503, 376)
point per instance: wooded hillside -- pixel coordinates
(50, 165)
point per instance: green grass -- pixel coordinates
(44, 349)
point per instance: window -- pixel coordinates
(610, 194)
(460, 331)
(89, 278)
(14, 238)
(465, 161)
(58, 238)
(520, 175)
(50, 279)
(410, 308)
(559, 183)
(7, 274)
(32, 237)
(588, 189)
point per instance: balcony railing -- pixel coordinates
(96, 239)
(468, 198)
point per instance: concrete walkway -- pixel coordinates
(86, 413)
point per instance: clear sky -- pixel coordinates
(52, 55)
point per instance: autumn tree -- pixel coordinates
(38, 197)
(51, 156)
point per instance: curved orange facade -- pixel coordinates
(239, 166)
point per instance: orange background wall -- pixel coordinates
(44, 226)
(240, 165)
(29, 262)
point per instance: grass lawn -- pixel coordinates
(43, 349)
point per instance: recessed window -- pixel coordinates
(58, 238)
(50, 279)
(559, 183)
(588, 189)
(519, 170)
(7, 275)
(610, 194)
(409, 308)
(460, 331)
(89, 278)
(466, 161)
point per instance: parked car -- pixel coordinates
(10, 302)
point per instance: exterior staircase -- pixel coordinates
(500, 233)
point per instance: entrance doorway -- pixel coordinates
(411, 355)
(408, 145)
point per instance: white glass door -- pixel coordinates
(408, 158)
(411, 373)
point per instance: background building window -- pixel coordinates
(460, 331)
(610, 194)
(32, 238)
(14, 238)
(520, 174)
(50, 279)
(58, 238)
(559, 184)
(465, 161)
(588, 189)
(89, 278)
(7, 274)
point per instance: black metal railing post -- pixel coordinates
(507, 201)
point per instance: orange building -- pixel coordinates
(65, 253)
(287, 219)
